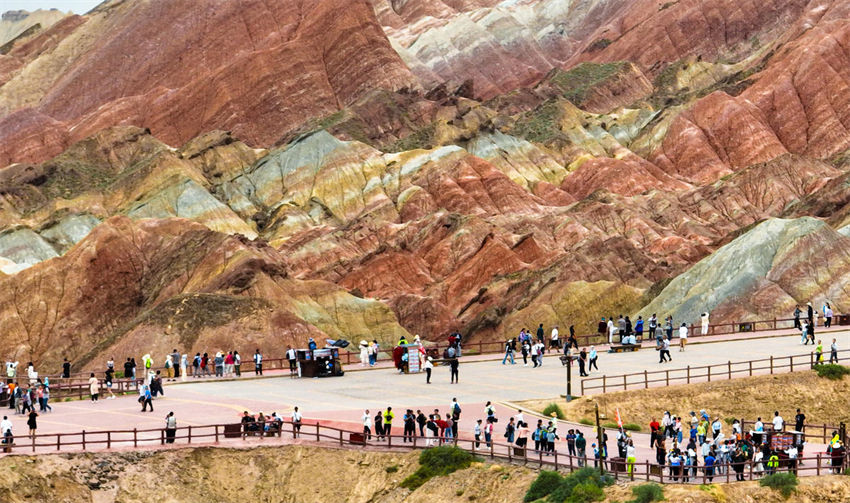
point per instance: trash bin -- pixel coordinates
(745, 327)
(357, 438)
(519, 452)
(233, 430)
(617, 464)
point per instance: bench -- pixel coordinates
(623, 348)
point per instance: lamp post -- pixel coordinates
(569, 378)
(602, 447)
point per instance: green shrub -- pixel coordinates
(610, 426)
(647, 493)
(785, 483)
(587, 492)
(631, 427)
(391, 469)
(554, 407)
(847, 471)
(585, 475)
(436, 462)
(585, 421)
(119, 374)
(543, 485)
(832, 371)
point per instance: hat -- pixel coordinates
(363, 343)
(554, 414)
(430, 359)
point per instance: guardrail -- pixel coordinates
(722, 371)
(491, 347)
(315, 432)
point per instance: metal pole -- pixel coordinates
(569, 379)
(599, 438)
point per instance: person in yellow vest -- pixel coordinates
(631, 457)
(388, 421)
(772, 463)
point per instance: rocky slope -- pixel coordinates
(199, 71)
(290, 474)
(465, 165)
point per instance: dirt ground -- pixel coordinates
(822, 400)
(827, 489)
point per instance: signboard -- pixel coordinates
(781, 441)
(413, 359)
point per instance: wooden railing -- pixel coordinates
(812, 431)
(819, 464)
(490, 347)
(706, 373)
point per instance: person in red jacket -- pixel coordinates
(654, 427)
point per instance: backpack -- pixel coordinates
(456, 409)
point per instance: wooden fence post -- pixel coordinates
(625, 385)
(216, 433)
(645, 380)
(340, 438)
(771, 364)
(84, 439)
(190, 434)
(603, 383)
(135, 439)
(319, 438)
(709, 373)
(108, 439)
(688, 379)
(751, 368)
(791, 362)
(667, 377)
(58, 441)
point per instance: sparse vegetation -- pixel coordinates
(576, 82)
(585, 421)
(391, 469)
(632, 427)
(785, 483)
(666, 5)
(647, 493)
(832, 371)
(420, 139)
(598, 45)
(554, 407)
(584, 485)
(437, 462)
(541, 124)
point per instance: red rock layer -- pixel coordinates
(182, 68)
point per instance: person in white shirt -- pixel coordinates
(296, 423)
(631, 457)
(611, 329)
(778, 422)
(705, 323)
(367, 425)
(683, 336)
(554, 339)
(519, 417)
(477, 431)
(827, 314)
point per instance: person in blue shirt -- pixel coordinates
(710, 460)
(311, 344)
(639, 327)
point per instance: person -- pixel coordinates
(804, 333)
(258, 362)
(833, 351)
(388, 421)
(799, 421)
(291, 357)
(428, 366)
(654, 432)
(373, 352)
(184, 363)
(581, 448)
(582, 358)
(628, 328)
(453, 365)
(409, 423)
(572, 342)
(228, 364)
(364, 353)
(108, 381)
(169, 369)
(819, 353)
(612, 329)
(510, 431)
(488, 432)
(664, 353)
(6, 431)
(836, 450)
(367, 425)
(66, 368)
(797, 314)
(716, 428)
(379, 425)
(601, 327)
(778, 422)
(237, 363)
(311, 344)
(94, 387)
(593, 356)
(792, 458)
(522, 434)
(704, 318)
(772, 463)
(46, 396)
(170, 428)
(175, 363)
(540, 334)
(421, 420)
(128, 369)
(219, 364)
(810, 313)
(196, 365)
(31, 422)
(477, 430)
(621, 327)
(554, 339)
(639, 328)
(709, 462)
(509, 351)
(683, 336)
(296, 422)
(145, 398)
(827, 316)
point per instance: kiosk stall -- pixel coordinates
(318, 362)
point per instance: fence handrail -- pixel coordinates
(509, 452)
(726, 370)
